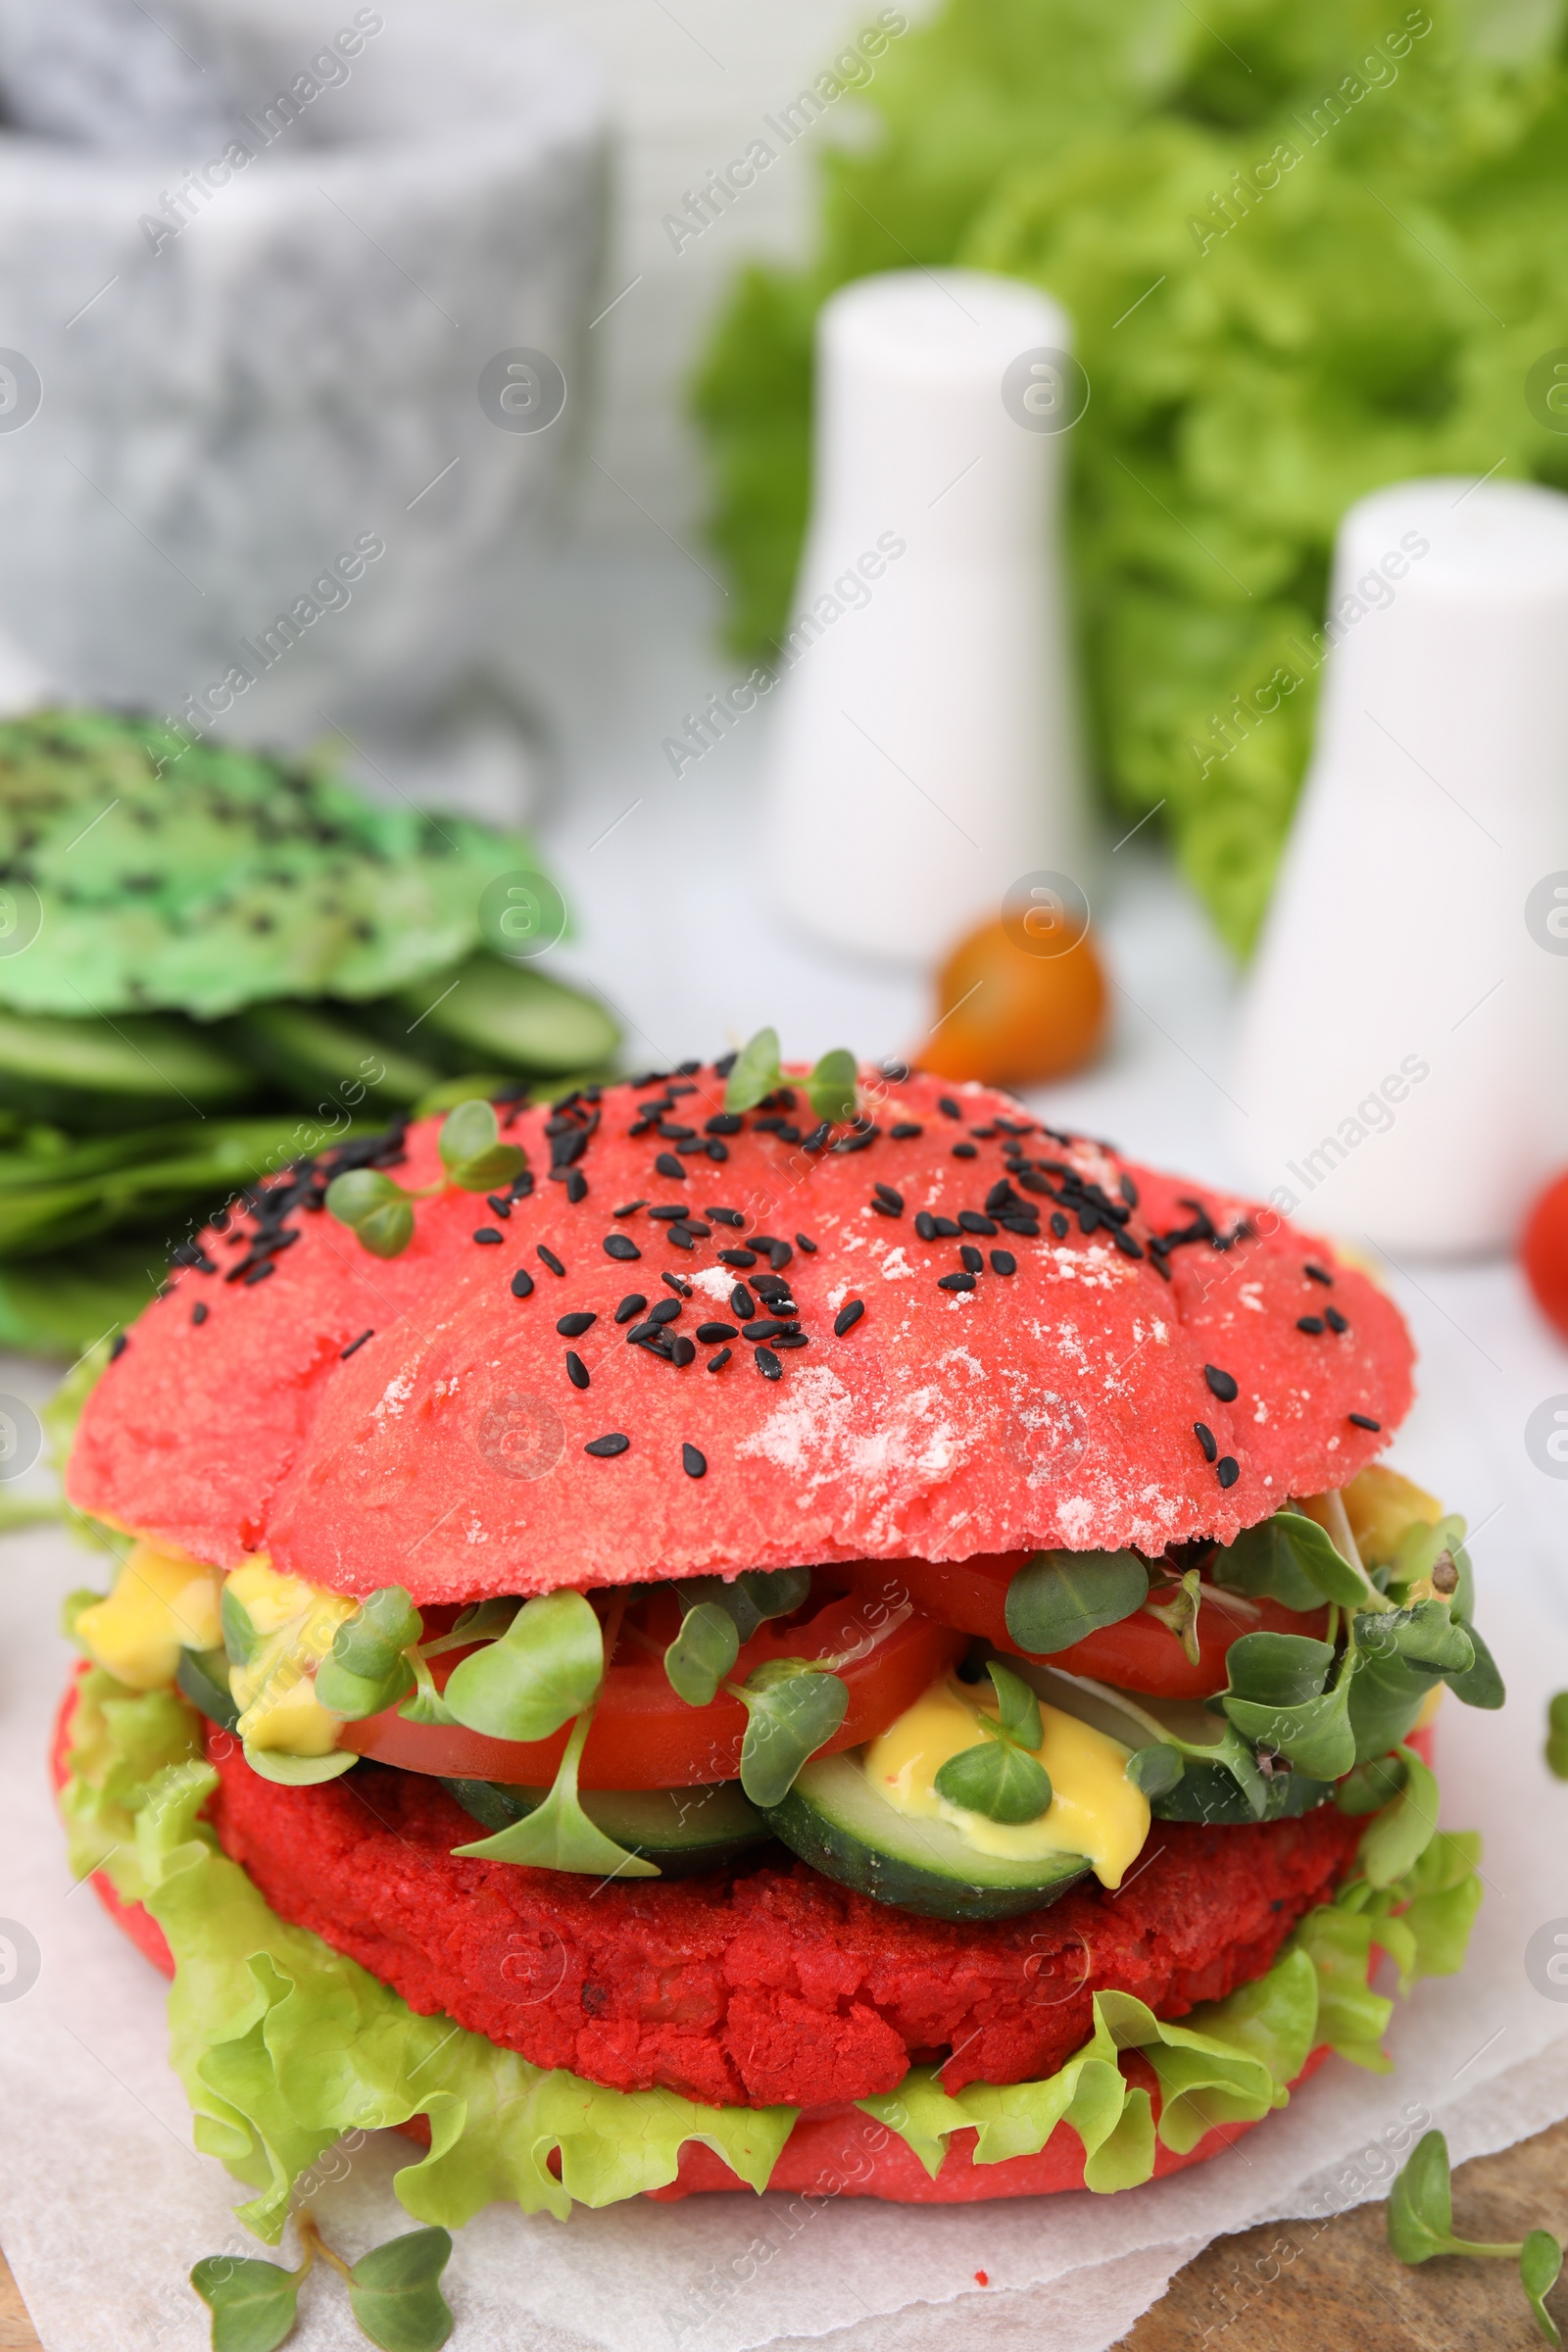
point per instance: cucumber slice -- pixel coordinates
(316, 1057)
(502, 1017)
(203, 1676)
(682, 1830)
(835, 1820)
(132, 1071)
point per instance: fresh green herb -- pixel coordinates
(394, 2291)
(1177, 1610)
(1060, 1598)
(298, 1772)
(1291, 1559)
(753, 1596)
(1556, 1734)
(757, 1073)
(792, 1707)
(831, 1087)
(240, 1637)
(701, 1653)
(366, 1669)
(480, 1621)
(559, 1834)
(1283, 1694)
(1157, 1768)
(473, 1154)
(546, 1668)
(253, 2304)
(1001, 1778)
(427, 1704)
(376, 1211)
(1421, 2226)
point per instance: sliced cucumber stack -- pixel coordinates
(314, 1053)
(682, 1830)
(494, 1016)
(134, 1071)
(835, 1820)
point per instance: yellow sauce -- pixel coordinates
(275, 1692)
(159, 1606)
(1094, 1809)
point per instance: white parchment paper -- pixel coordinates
(104, 2205)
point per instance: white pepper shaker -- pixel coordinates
(926, 754)
(1405, 1037)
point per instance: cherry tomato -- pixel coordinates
(644, 1737)
(1015, 1014)
(1544, 1251)
(1139, 1654)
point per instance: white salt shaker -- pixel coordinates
(926, 754)
(1404, 1041)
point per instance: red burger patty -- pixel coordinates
(758, 1987)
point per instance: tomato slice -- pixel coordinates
(1138, 1655)
(642, 1737)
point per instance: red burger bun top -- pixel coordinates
(1057, 1404)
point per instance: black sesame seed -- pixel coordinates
(847, 1316)
(681, 1235)
(1058, 1225)
(812, 1142)
(1227, 1469)
(711, 1333)
(767, 1363)
(724, 1217)
(904, 1132)
(1314, 1324)
(256, 1274)
(667, 1164)
(1335, 1320)
(1128, 1190)
(724, 1064)
(677, 1282)
(641, 1332)
(666, 1214)
(971, 1222)
(947, 1229)
(947, 1108)
(743, 1258)
(884, 1208)
(198, 1314)
(1125, 1243)
(695, 1464)
(716, 1150)
(628, 1209)
(803, 1242)
(956, 1282)
(487, 1233)
(681, 1349)
(723, 1122)
(502, 1207)
(895, 1201)
(965, 1152)
(1027, 1225)
(576, 1369)
(1003, 1261)
(620, 1244)
(522, 1283)
(122, 1343)
(765, 1327)
(717, 1364)
(792, 1338)
(664, 1312)
(632, 1305)
(547, 1257)
(741, 1299)
(1205, 1438)
(925, 1225)
(1319, 1274)
(1221, 1385)
(971, 1259)
(573, 1327)
(610, 1444)
(576, 1186)
(1364, 1421)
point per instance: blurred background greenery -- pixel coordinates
(1266, 339)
